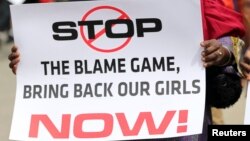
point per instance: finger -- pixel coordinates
(210, 46)
(246, 74)
(208, 64)
(13, 56)
(208, 43)
(210, 57)
(14, 69)
(14, 49)
(246, 59)
(245, 66)
(213, 59)
(14, 62)
(245, 70)
(211, 49)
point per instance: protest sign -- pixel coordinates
(108, 70)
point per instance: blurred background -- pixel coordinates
(7, 92)
(232, 115)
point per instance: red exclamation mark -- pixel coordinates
(183, 117)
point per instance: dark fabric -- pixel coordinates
(31, 1)
(223, 87)
(4, 15)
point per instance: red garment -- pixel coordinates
(219, 20)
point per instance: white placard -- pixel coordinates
(108, 70)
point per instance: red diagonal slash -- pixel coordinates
(101, 32)
(89, 42)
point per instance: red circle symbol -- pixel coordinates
(98, 34)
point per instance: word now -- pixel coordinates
(79, 130)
